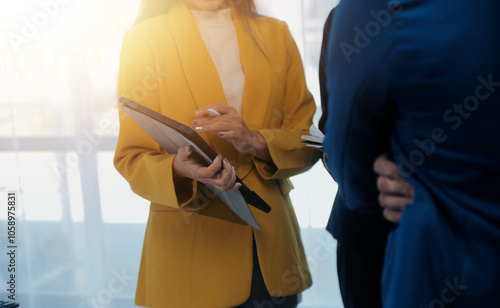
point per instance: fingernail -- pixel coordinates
(188, 148)
(198, 128)
(233, 170)
(226, 161)
(213, 112)
(220, 157)
(221, 134)
(194, 122)
(239, 185)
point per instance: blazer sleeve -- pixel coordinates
(290, 156)
(138, 158)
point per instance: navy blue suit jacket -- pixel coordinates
(362, 232)
(421, 79)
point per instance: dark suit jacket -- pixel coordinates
(360, 231)
(422, 79)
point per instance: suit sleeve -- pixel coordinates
(321, 71)
(360, 111)
(290, 156)
(138, 158)
(322, 79)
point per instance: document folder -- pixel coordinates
(315, 139)
(171, 135)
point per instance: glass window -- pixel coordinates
(79, 224)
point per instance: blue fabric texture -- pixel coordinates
(421, 79)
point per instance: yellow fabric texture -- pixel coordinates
(197, 252)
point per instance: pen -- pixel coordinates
(213, 112)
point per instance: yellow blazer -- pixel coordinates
(197, 252)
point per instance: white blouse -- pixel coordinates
(219, 34)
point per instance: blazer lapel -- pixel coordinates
(201, 73)
(256, 105)
(204, 81)
(199, 69)
(257, 76)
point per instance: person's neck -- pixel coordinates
(223, 5)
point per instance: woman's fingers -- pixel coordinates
(229, 124)
(183, 165)
(224, 179)
(211, 126)
(218, 118)
(185, 151)
(210, 171)
(236, 186)
(222, 123)
(214, 108)
(227, 179)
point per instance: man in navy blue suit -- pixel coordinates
(361, 237)
(421, 79)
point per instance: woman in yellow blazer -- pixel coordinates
(197, 252)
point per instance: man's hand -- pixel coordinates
(395, 191)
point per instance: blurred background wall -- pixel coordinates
(79, 228)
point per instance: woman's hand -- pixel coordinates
(231, 127)
(186, 167)
(395, 191)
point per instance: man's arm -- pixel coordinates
(322, 74)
